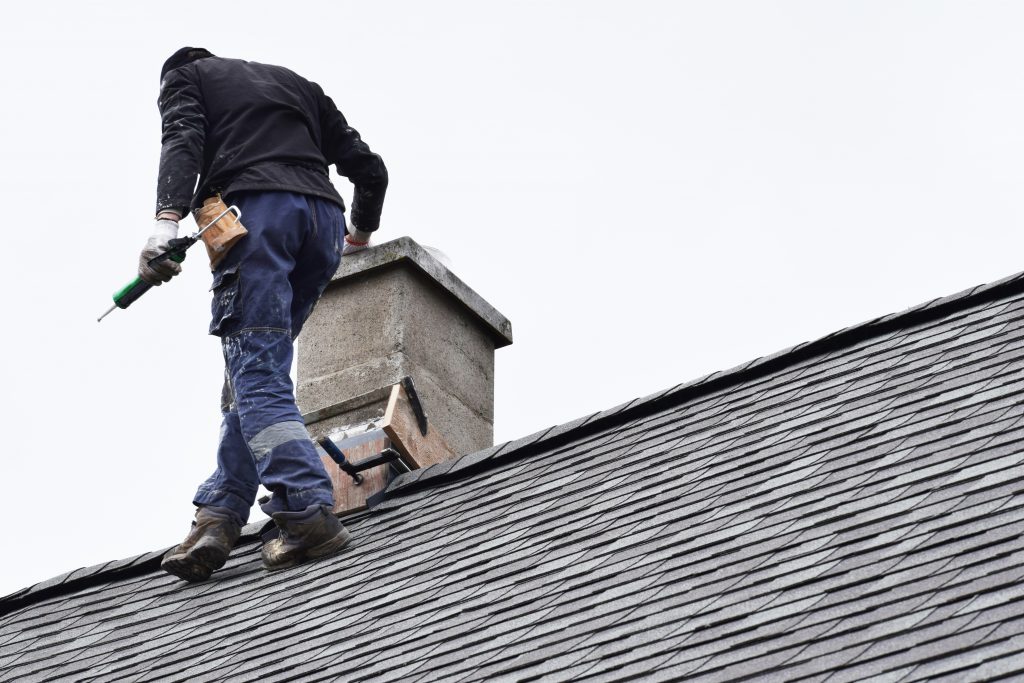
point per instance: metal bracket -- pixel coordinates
(417, 407)
(388, 456)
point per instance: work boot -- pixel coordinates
(306, 535)
(207, 546)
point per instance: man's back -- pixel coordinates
(250, 126)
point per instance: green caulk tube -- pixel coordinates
(127, 295)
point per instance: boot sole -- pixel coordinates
(186, 569)
(328, 547)
(196, 565)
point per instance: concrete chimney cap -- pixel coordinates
(390, 254)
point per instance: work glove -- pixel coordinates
(163, 232)
(355, 240)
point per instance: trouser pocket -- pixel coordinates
(226, 308)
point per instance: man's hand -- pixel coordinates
(355, 240)
(163, 232)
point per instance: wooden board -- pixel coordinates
(399, 430)
(417, 449)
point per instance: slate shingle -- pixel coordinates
(849, 509)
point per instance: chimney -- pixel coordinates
(397, 359)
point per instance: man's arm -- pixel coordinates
(184, 132)
(343, 147)
(181, 158)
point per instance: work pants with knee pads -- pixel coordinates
(263, 292)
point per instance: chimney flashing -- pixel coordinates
(404, 433)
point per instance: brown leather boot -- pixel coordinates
(306, 535)
(207, 546)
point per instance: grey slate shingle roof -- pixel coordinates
(846, 510)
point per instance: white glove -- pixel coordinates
(164, 230)
(355, 240)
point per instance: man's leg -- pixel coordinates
(322, 250)
(236, 480)
(314, 532)
(233, 485)
(253, 315)
(222, 511)
(223, 503)
(263, 438)
(286, 461)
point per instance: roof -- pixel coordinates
(848, 509)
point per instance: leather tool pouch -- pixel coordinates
(221, 236)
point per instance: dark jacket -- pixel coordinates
(240, 125)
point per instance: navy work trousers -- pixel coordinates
(263, 292)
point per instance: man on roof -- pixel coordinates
(260, 137)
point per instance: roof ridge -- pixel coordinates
(488, 458)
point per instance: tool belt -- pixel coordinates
(222, 235)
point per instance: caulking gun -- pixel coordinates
(176, 248)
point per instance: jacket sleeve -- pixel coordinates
(352, 157)
(184, 132)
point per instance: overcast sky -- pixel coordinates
(650, 191)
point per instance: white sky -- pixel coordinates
(649, 190)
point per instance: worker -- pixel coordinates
(261, 137)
